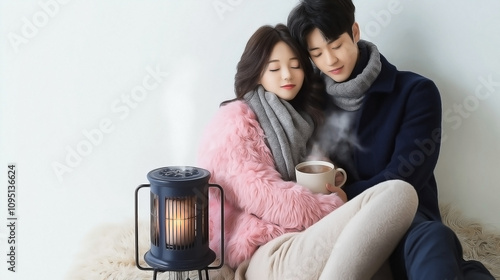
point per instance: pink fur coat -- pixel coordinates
(259, 206)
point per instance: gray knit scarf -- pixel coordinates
(349, 95)
(287, 131)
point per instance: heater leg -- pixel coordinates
(200, 274)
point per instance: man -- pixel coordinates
(393, 132)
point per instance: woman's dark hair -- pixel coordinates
(255, 57)
(332, 17)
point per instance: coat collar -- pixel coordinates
(386, 80)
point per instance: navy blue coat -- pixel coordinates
(399, 129)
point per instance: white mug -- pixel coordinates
(315, 174)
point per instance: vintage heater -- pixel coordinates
(179, 222)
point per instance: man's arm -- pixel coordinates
(417, 144)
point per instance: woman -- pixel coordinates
(275, 227)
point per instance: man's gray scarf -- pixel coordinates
(349, 95)
(286, 130)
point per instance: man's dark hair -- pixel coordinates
(332, 17)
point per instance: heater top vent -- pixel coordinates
(179, 174)
(176, 172)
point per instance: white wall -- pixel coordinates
(456, 45)
(94, 94)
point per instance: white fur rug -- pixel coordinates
(478, 242)
(108, 251)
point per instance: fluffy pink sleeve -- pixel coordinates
(233, 149)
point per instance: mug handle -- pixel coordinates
(341, 170)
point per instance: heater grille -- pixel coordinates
(179, 219)
(180, 222)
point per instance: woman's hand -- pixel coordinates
(340, 192)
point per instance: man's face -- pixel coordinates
(334, 58)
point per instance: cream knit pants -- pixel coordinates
(352, 242)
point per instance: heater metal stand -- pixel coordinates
(200, 274)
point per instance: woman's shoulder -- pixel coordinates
(233, 116)
(236, 107)
(233, 126)
(234, 111)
